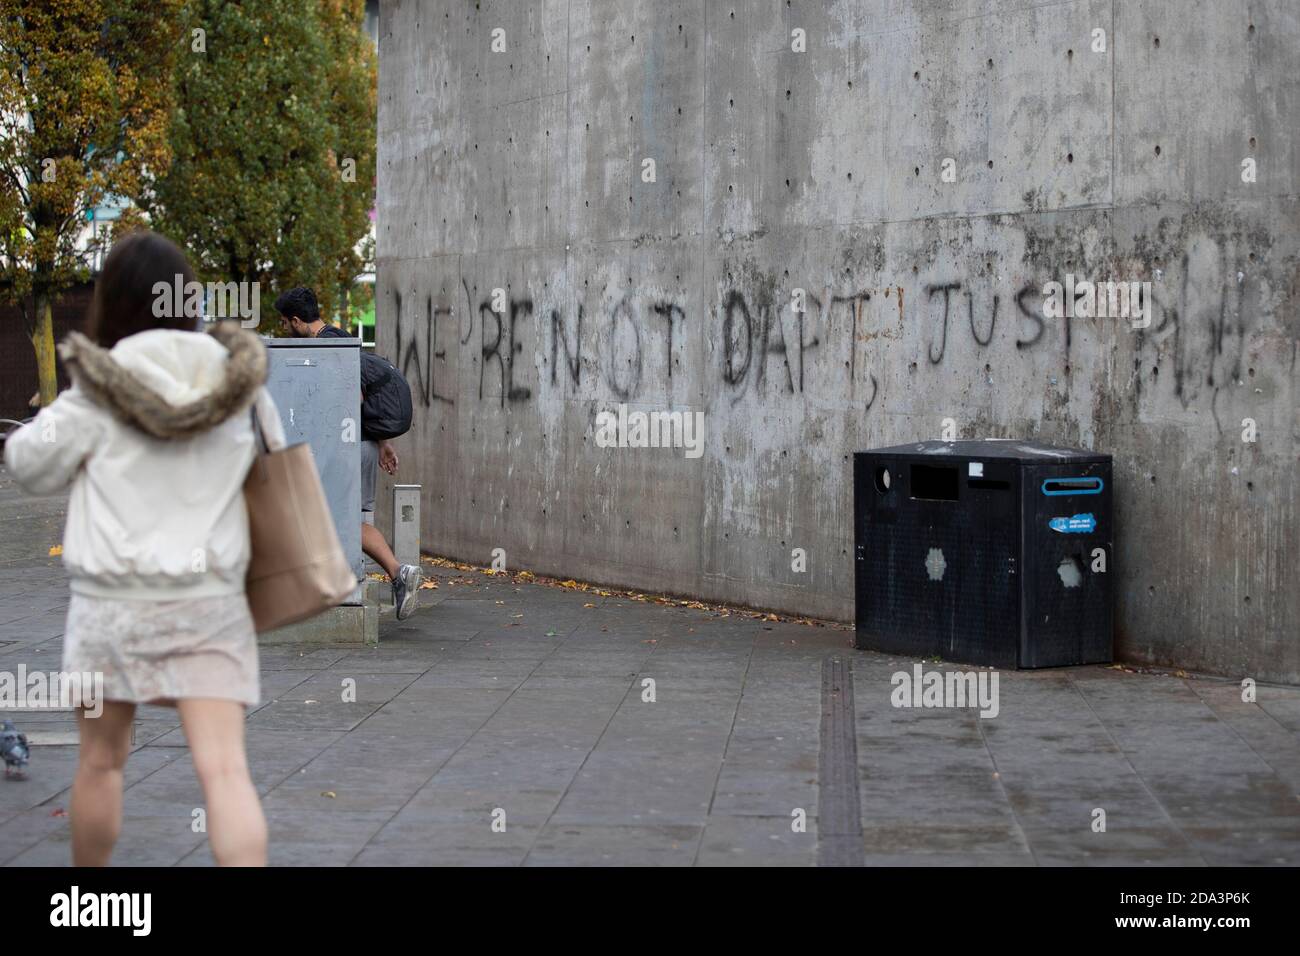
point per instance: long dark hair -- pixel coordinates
(125, 300)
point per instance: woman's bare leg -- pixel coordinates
(97, 787)
(236, 826)
(376, 547)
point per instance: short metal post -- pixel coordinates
(406, 524)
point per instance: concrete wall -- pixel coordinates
(822, 170)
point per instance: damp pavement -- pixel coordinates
(509, 723)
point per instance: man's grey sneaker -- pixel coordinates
(405, 588)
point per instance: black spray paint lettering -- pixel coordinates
(1215, 340)
(624, 390)
(772, 316)
(993, 319)
(740, 330)
(856, 301)
(669, 311)
(572, 358)
(1034, 315)
(805, 346)
(735, 303)
(410, 358)
(505, 362)
(948, 288)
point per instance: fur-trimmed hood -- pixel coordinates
(167, 383)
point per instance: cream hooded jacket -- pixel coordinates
(155, 439)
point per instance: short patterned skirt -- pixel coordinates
(158, 652)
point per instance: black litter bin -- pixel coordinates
(993, 552)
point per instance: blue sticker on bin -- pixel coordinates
(1078, 524)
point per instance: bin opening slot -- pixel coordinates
(1072, 486)
(934, 483)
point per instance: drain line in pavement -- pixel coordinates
(839, 822)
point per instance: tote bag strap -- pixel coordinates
(259, 436)
(261, 440)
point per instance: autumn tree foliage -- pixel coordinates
(273, 144)
(85, 104)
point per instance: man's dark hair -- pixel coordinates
(126, 301)
(299, 303)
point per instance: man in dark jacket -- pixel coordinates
(300, 316)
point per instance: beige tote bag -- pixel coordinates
(297, 568)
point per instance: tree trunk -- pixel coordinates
(43, 343)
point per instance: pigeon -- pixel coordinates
(14, 750)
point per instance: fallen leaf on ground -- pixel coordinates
(329, 793)
(427, 585)
(550, 633)
(56, 550)
(572, 584)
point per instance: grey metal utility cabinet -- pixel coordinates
(316, 384)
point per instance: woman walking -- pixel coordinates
(155, 439)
